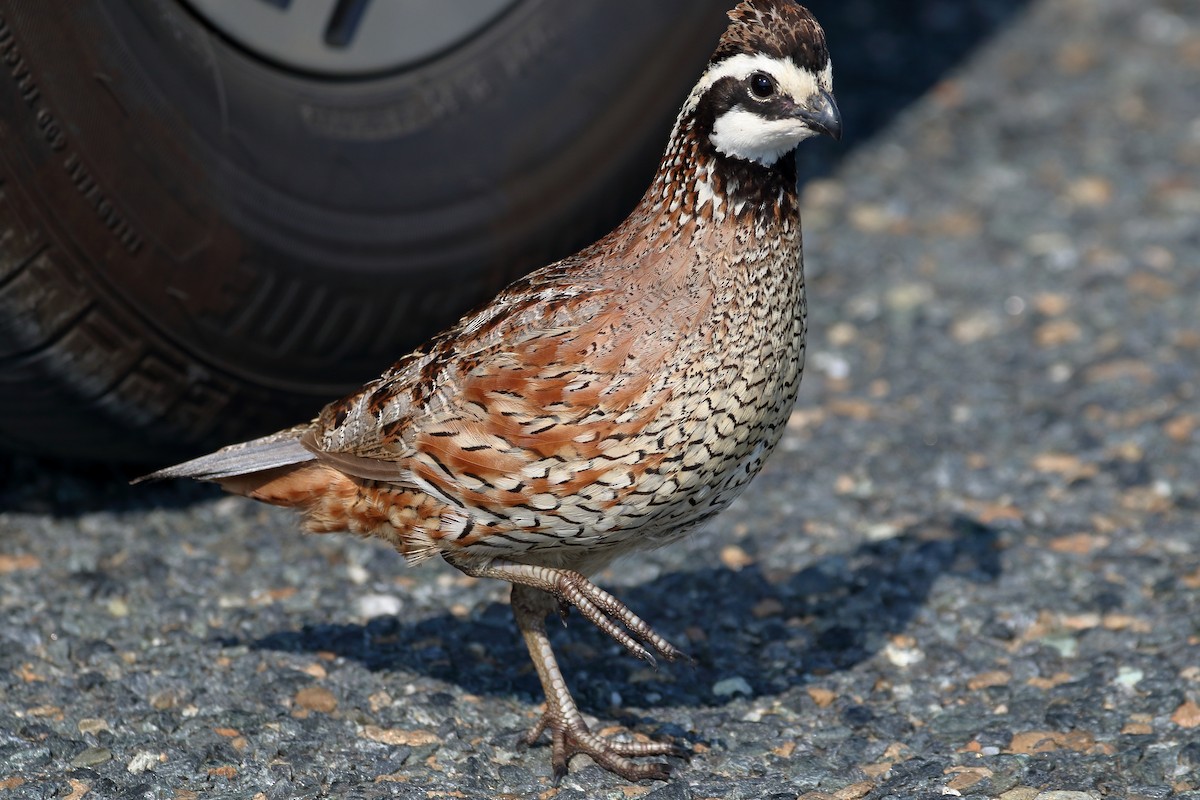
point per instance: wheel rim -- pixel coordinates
(348, 38)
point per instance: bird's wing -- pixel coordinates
(527, 402)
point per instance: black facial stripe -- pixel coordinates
(778, 107)
(720, 97)
(729, 93)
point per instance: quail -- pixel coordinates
(606, 403)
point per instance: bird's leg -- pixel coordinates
(569, 734)
(573, 589)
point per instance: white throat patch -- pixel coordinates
(744, 134)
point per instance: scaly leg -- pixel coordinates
(569, 733)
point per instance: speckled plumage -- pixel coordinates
(606, 403)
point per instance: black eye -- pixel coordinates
(762, 85)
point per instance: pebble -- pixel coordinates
(143, 761)
(874, 219)
(1129, 676)
(357, 574)
(92, 725)
(1065, 644)
(903, 656)
(1187, 715)
(831, 364)
(735, 558)
(316, 698)
(91, 757)
(1020, 793)
(908, 297)
(976, 327)
(379, 605)
(729, 687)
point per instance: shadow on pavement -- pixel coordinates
(773, 630)
(67, 489)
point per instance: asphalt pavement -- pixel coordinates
(972, 568)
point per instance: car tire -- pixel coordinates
(199, 244)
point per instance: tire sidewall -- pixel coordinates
(264, 237)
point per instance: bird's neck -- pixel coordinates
(694, 180)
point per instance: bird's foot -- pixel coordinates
(609, 615)
(540, 592)
(570, 738)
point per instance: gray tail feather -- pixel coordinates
(277, 450)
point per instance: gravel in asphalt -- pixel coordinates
(972, 569)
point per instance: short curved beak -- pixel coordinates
(823, 116)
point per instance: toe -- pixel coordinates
(656, 771)
(615, 756)
(638, 749)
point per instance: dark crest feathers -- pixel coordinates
(779, 28)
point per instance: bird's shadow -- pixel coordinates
(66, 489)
(772, 630)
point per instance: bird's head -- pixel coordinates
(768, 86)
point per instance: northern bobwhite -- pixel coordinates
(606, 403)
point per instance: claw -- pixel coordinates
(645, 655)
(605, 612)
(570, 739)
(679, 751)
(656, 772)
